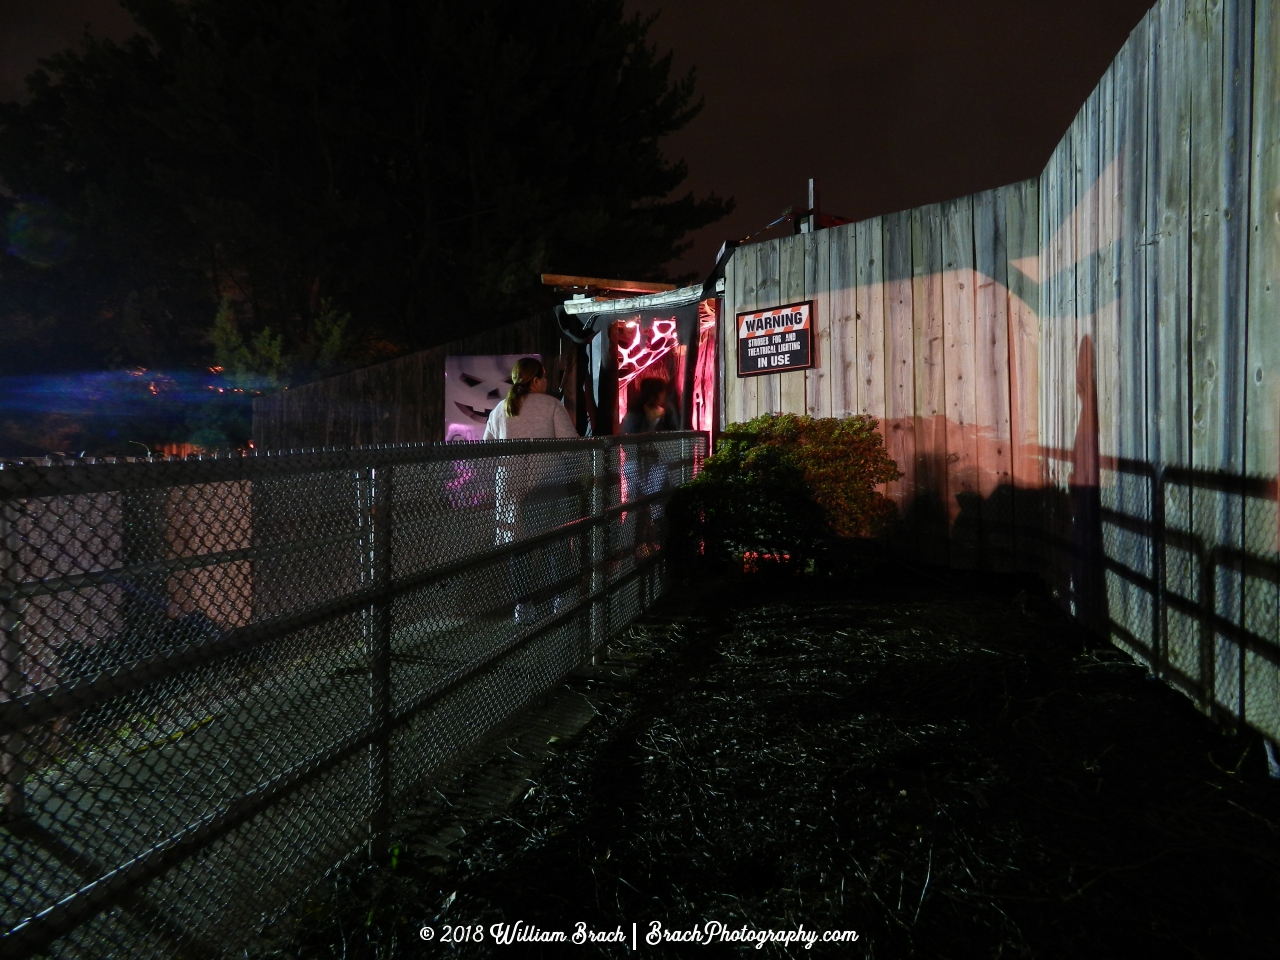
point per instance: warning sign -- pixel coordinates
(772, 341)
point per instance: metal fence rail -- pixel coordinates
(220, 678)
(1187, 576)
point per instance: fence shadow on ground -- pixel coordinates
(1174, 565)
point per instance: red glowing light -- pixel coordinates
(640, 354)
(179, 449)
(753, 561)
(704, 376)
(637, 356)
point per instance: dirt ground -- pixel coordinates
(940, 762)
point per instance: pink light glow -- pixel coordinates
(636, 357)
(704, 376)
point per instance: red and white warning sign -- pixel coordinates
(771, 341)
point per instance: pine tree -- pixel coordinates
(414, 164)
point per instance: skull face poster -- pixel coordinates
(473, 386)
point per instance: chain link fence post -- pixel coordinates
(377, 489)
(12, 769)
(595, 550)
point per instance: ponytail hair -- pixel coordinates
(526, 370)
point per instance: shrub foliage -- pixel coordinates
(786, 485)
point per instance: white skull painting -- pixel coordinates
(473, 386)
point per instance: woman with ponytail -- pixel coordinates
(528, 413)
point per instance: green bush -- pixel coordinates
(784, 486)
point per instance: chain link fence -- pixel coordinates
(220, 678)
(1192, 584)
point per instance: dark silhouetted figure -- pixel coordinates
(1088, 587)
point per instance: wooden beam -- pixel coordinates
(596, 283)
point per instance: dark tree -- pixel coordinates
(334, 180)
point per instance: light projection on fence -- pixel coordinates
(771, 341)
(1077, 374)
(473, 386)
(649, 350)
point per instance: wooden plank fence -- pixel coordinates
(915, 325)
(1079, 374)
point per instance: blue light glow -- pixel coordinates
(104, 409)
(38, 234)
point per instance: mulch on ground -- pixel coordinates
(942, 763)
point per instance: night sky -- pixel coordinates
(888, 104)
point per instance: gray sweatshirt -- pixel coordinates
(542, 417)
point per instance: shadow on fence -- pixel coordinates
(1177, 566)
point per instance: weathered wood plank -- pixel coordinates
(817, 287)
(1068, 391)
(1237, 108)
(900, 413)
(867, 353)
(931, 435)
(775, 261)
(793, 258)
(1207, 149)
(1065, 405)
(872, 350)
(1084, 510)
(1018, 208)
(1134, 492)
(737, 297)
(869, 373)
(1170, 196)
(991, 384)
(1106, 277)
(1084, 216)
(1262, 381)
(1215, 515)
(1173, 192)
(1114, 587)
(1050, 267)
(732, 384)
(1151, 239)
(1050, 322)
(959, 325)
(763, 260)
(1057, 314)
(1237, 34)
(843, 330)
